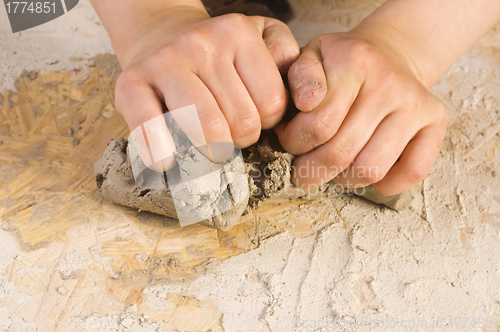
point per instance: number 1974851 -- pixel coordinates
(32, 7)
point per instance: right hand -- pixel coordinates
(228, 67)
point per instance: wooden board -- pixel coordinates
(84, 255)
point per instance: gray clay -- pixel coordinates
(268, 177)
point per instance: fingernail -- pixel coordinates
(310, 94)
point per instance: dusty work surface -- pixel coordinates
(70, 261)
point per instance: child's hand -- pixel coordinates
(365, 111)
(228, 66)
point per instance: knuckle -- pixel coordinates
(205, 39)
(416, 100)
(238, 22)
(413, 103)
(213, 126)
(358, 55)
(416, 173)
(121, 86)
(442, 115)
(324, 131)
(322, 135)
(239, 19)
(126, 83)
(274, 105)
(160, 62)
(163, 54)
(246, 126)
(367, 58)
(361, 51)
(193, 40)
(127, 80)
(283, 54)
(279, 24)
(360, 47)
(339, 156)
(369, 170)
(392, 78)
(279, 33)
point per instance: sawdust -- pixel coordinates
(125, 322)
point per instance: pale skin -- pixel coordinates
(363, 95)
(172, 51)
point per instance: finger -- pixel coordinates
(261, 78)
(308, 130)
(235, 102)
(359, 156)
(307, 78)
(415, 162)
(182, 88)
(355, 132)
(382, 150)
(280, 42)
(318, 123)
(142, 110)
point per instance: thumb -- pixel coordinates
(307, 78)
(279, 40)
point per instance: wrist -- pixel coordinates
(392, 41)
(135, 27)
(158, 32)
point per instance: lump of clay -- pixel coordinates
(268, 176)
(396, 202)
(115, 180)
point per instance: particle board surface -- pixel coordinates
(82, 254)
(87, 265)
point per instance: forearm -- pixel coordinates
(126, 21)
(432, 34)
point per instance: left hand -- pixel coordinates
(365, 116)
